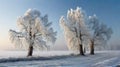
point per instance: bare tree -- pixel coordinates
(35, 32)
(100, 33)
(74, 29)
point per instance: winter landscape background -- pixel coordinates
(107, 55)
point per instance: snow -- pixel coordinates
(59, 59)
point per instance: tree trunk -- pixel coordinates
(81, 50)
(92, 48)
(84, 50)
(30, 51)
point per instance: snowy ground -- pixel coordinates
(59, 59)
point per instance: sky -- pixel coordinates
(108, 12)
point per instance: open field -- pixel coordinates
(59, 59)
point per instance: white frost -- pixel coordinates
(73, 27)
(34, 29)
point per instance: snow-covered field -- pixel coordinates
(59, 59)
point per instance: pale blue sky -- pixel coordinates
(108, 11)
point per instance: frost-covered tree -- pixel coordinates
(74, 29)
(35, 32)
(99, 33)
